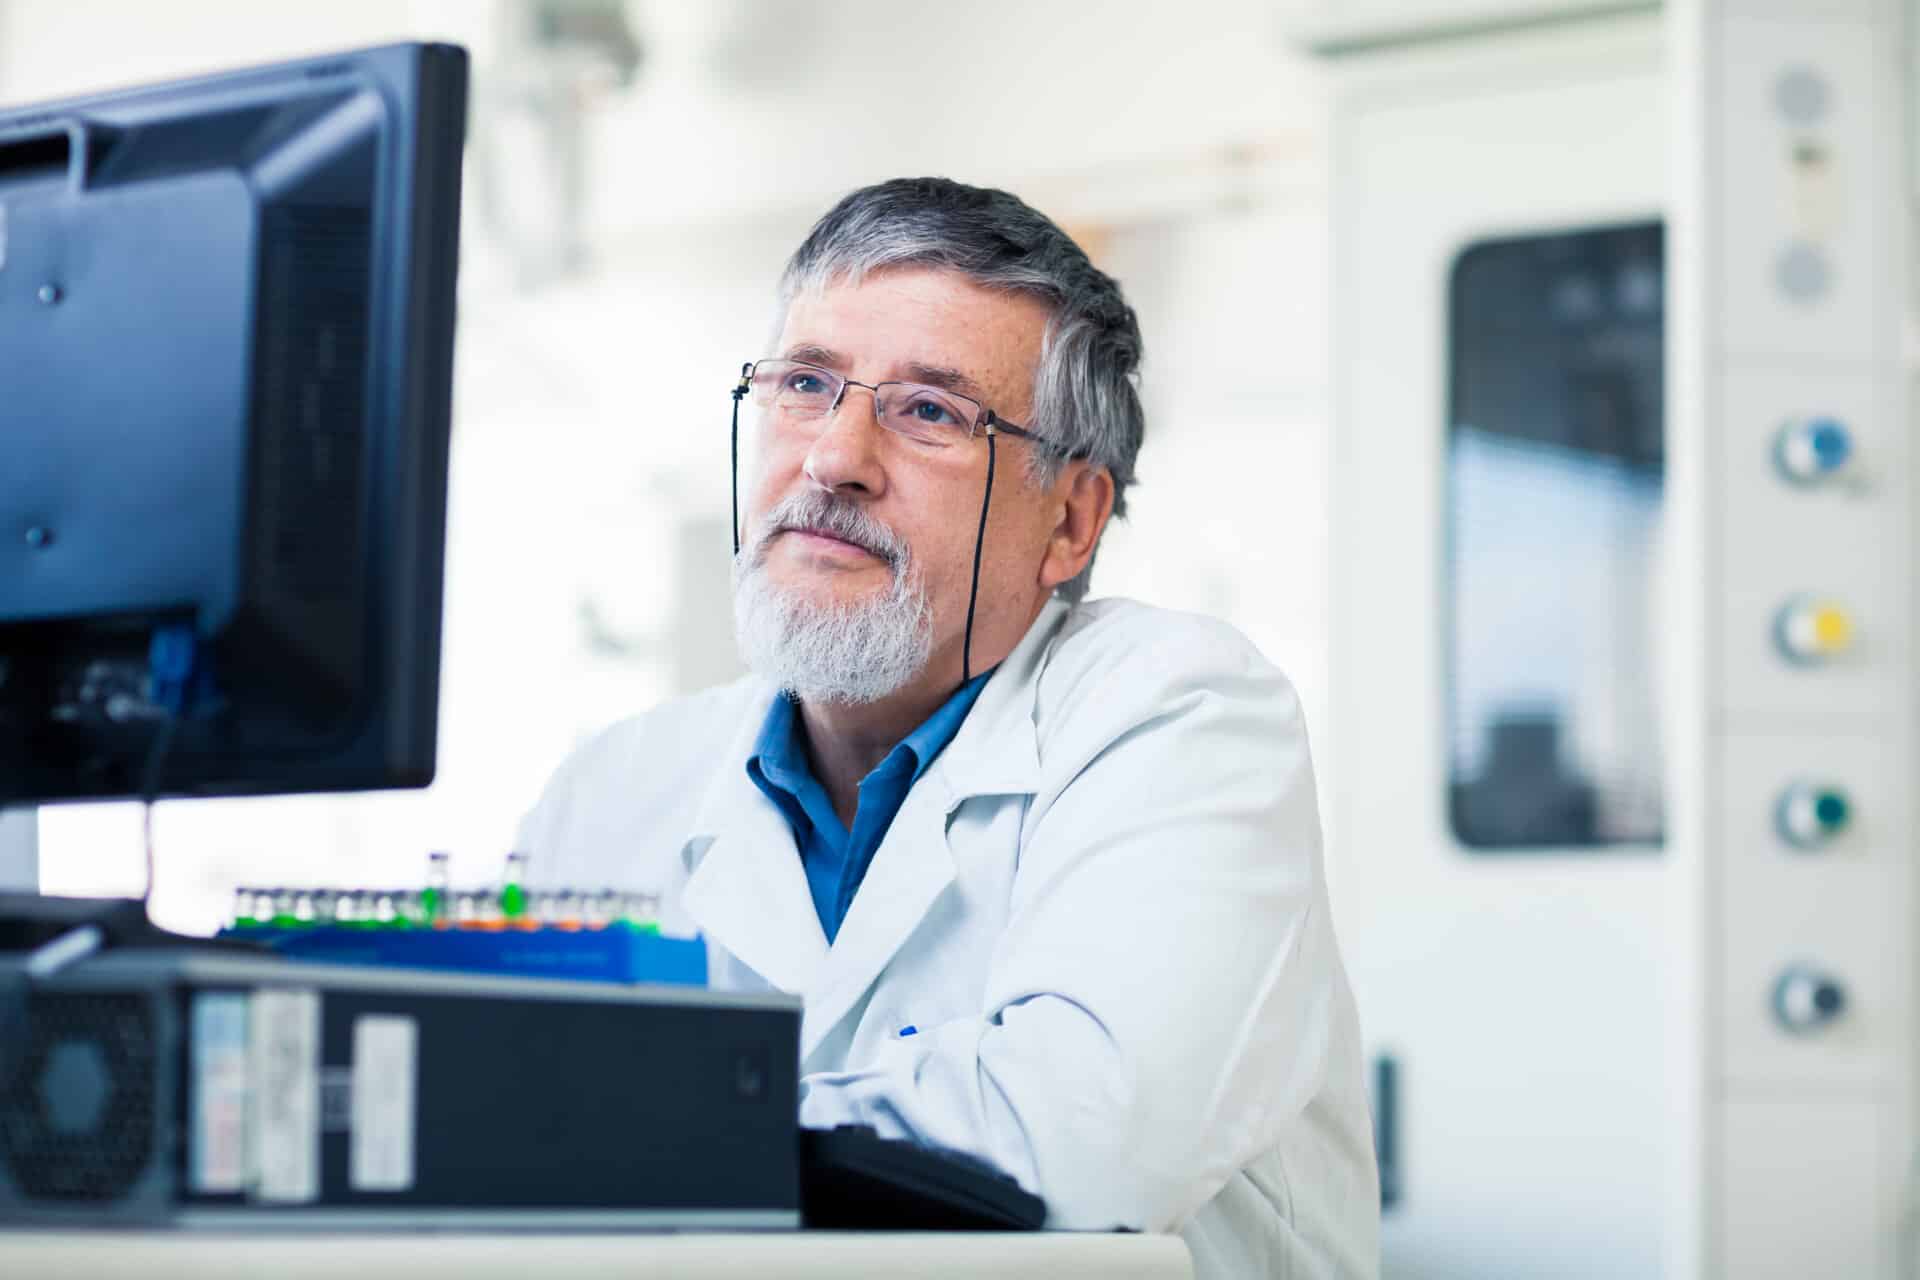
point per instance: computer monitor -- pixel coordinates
(226, 341)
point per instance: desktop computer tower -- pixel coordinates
(222, 1089)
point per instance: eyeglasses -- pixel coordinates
(800, 392)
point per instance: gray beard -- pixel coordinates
(853, 654)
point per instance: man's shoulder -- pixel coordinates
(1116, 629)
(1133, 651)
(1116, 664)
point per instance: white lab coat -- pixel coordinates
(1102, 907)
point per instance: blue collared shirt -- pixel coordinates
(835, 858)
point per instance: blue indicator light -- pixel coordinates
(1831, 443)
(1808, 451)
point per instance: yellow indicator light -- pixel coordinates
(1813, 630)
(1832, 629)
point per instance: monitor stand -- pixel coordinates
(19, 850)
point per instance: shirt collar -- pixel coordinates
(776, 752)
(926, 742)
(779, 757)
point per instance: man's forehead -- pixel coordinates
(923, 324)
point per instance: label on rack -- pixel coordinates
(385, 1076)
(217, 1098)
(283, 1118)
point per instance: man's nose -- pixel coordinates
(845, 456)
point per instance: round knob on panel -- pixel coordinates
(1810, 630)
(1810, 814)
(1809, 450)
(1805, 1001)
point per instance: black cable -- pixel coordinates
(739, 394)
(979, 543)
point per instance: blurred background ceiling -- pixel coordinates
(599, 122)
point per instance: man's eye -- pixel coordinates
(806, 384)
(933, 413)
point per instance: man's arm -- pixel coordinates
(1167, 990)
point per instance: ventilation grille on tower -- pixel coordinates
(77, 1114)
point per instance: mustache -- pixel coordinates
(817, 511)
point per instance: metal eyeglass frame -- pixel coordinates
(992, 424)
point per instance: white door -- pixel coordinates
(1520, 992)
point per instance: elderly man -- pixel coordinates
(1045, 871)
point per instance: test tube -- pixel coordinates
(384, 914)
(513, 891)
(563, 910)
(477, 910)
(488, 914)
(325, 904)
(243, 917)
(411, 905)
(433, 898)
(283, 910)
(349, 910)
(533, 913)
(641, 911)
(303, 908)
(602, 909)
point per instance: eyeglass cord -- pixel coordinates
(739, 394)
(979, 540)
(979, 544)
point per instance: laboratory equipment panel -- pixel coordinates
(1794, 426)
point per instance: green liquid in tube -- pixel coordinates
(513, 893)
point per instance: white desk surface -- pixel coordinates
(828, 1255)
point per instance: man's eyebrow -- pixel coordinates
(809, 353)
(934, 375)
(945, 378)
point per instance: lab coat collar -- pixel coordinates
(994, 753)
(747, 890)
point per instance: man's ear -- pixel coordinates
(1085, 494)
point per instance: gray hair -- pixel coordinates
(1086, 396)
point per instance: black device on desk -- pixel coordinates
(226, 313)
(851, 1178)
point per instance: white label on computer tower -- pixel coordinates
(385, 1076)
(217, 1102)
(283, 1118)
